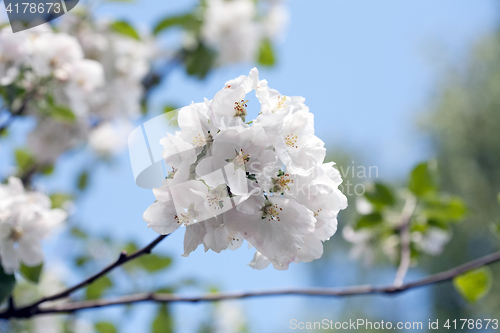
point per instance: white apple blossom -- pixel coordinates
(433, 240)
(53, 53)
(13, 53)
(51, 138)
(229, 27)
(235, 28)
(25, 218)
(234, 180)
(109, 138)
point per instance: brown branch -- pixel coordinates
(328, 292)
(32, 309)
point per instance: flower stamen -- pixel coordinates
(241, 108)
(291, 140)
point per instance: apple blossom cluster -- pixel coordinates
(366, 240)
(25, 218)
(263, 181)
(81, 82)
(236, 28)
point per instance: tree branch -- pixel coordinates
(328, 292)
(405, 240)
(122, 259)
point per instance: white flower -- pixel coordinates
(433, 240)
(14, 52)
(276, 20)
(275, 227)
(234, 181)
(236, 28)
(229, 27)
(110, 138)
(84, 77)
(229, 106)
(229, 317)
(362, 243)
(52, 52)
(195, 125)
(241, 152)
(177, 205)
(25, 218)
(51, 138)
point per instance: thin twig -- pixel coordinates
(405, 240)
(122, 259)
(328, 292)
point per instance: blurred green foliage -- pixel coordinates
(7, 283)
(31, 274)
(464, 122)
(475, 284)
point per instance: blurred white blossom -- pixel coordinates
(229, 317)
(25, 218)
(236, 28)
(110, 138)
(78, 80)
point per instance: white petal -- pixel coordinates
(30, 251)
(161, 218)
(259, 261)
(193, 237)
(9, 256)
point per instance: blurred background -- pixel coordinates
(391, 84)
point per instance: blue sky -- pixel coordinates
(367, 69)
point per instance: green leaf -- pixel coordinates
(422, 180)
(187, 21)
(124, 28)
(474, 284)
(496, 229)
(105, 327)
(59, 199)
(171, 113)
(369, 220)
(98, 287)
(78, 233)
(24, 160)
(62, 113)
(152, 263)
(131, 247)
(7, 283)
(31, 274)
(163, 322)
(83, 180)
(169, 108)
(445, 209)
(4, 132)
(81, 260)
(47, 170)
(200, 61)
(266, 53)
(379, 195)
